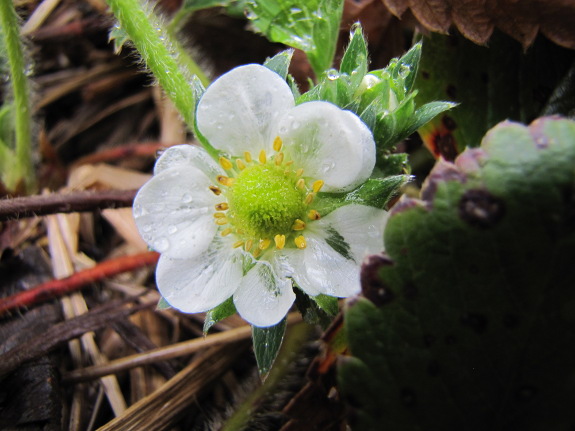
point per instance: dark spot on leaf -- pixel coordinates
(408, 397)
(424, 74)
(449, 122)
(477, 322)
(451, 91)
(526, 393)
(443, 144)
(481, 209)
(484, 77)
(410, 291)
(433, 368)
(429, 340)
(510, 321)
(450, 340)
(373, 288)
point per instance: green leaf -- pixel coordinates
(267, 342)
(468, 325)
(311, 311)
(327, 303)
(225, 309)
(354, 60)
(279, 63)
(163, 304)
(375, 192)
(312, 26)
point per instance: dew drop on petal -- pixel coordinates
(172, 229)
(186, 198)
(138, 210)
(161, 245)
(327, 166)
(147, 228)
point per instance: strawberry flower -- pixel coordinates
(251, 225)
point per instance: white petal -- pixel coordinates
(200, 284)
(329, 144)
(174, 212)
(264, 298)
(238, 111)
(187, 155)
(336, 246)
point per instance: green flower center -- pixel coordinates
(264, 201)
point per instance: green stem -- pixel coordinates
(10, 31)
(160, 53)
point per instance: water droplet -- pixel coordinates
(138, 210)
(172, 229)
(295, 125)
(161, 245)
(146, 228)
(332, 74)
(164, 193)
(327, 166)
(186, 198)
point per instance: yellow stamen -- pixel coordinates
(280, 241)
(240, 164)
(279, 158)
(226, 231)
(317, 185)
(225, 163)
(278, 143)
(262, 157)
(249, 244)
(300, 184)
(225, 181)
(257, 252)
(238, 244)
(221, 221)
(219, 215)
(299, 172)
(248, 156)
(313, 215)
(309, 198)
(264, 243)
(298, 225)
(300, 242)
(215, 190)
(222, 206)
(289, 163)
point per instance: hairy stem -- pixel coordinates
(9, 30)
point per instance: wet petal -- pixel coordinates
(264, 298)
(187, 155)
(200, 284)
(238, 111)
(174, 212)
(329, 144)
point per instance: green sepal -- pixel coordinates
(225, 309)
(279, 63)
(375, 192)
(119, 37)
(163, 304)
(310, 310)
(392, 164)
(327, 303)
(354, 60)
(267, 342)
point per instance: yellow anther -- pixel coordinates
(317, 185)
(225, 181)
(238, 244)
(300, 184)
(249, 244)
(222, 206)
(299, 172)
(225, 163)
(226, 231)
(278, 143)
(280, 241)
(313, 215)
(298, 225)
(248, 156)
(309, 198)
(221, 221)
(264, 243)
(262, 157)
(257, 252)
(289, 163)
(240, 164)
(219, 215)
(215, 190)
(300, 242)
(279, 158)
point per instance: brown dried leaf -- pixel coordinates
(476, 19)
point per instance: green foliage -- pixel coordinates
(267, 342)
(468, 326)
(225, 309)
(311, 26)
(279, 63)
